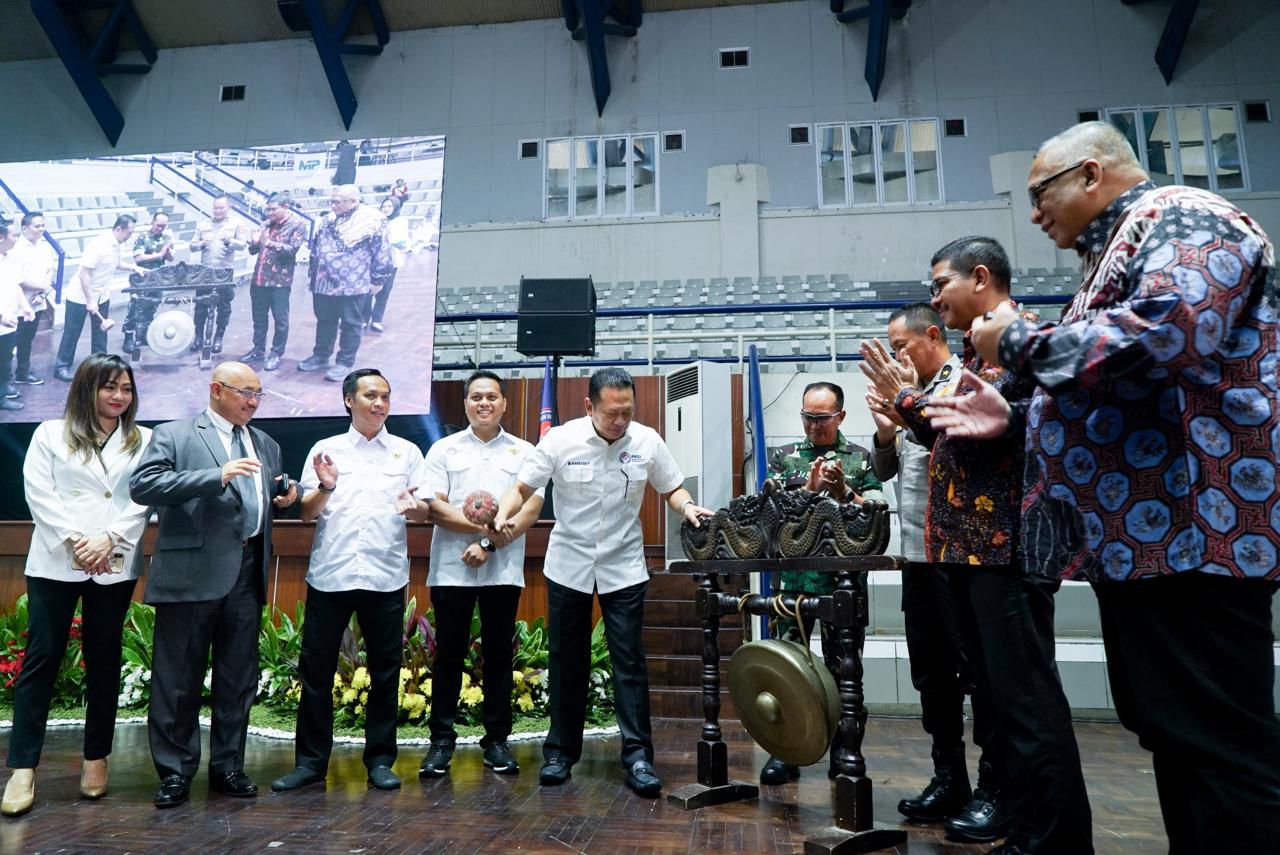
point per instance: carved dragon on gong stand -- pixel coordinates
(781, 523)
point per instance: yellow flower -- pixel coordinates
(348, 695)
(534, 679)
(517, 677)
(973, 559)
(405, 675)
(984, 503)
(360, 679)
(466, 680)
(472, 695)
(364, 697)
(413, 704)
(359, 709)
(525, 703)
(425, 686)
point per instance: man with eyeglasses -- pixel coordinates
(350, 260)
(214, 482)
(1152, 455)
(824, 461)
(1030, 786)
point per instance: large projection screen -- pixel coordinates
(81, 199)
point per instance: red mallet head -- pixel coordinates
(480, 507)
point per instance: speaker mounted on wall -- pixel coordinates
(556, 317)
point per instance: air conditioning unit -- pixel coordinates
(699, 432)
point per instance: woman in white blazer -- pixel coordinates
(86, 547)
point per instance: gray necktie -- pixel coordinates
(249, 494)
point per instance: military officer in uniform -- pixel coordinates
(824, 461)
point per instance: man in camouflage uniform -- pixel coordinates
(154, 247)
(823, 462)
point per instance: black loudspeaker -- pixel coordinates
(557, 317)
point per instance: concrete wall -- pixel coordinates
(1017, 70)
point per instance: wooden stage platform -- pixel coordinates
(474, 810)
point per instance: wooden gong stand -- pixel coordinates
(846, 611)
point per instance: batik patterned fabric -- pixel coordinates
(792, 463)
(277, 252)
(1152, 438)
(975, 486)
(351, 253)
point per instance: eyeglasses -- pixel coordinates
(817, 418)
(936, 286)
(247, 394)
(1035, 190)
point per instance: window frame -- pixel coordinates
(572, 170)
(877, 127)
(1175, 147)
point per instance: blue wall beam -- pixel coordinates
(330, 44)
(586, 19)
(1176, 29)
(69, 41)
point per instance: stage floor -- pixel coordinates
(474, 810)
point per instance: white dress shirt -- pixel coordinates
(597, 542)
(361, 542)
(224, 429)
(37, 264)
(69, 495)
(102, 257)
(456, 466)
(11, 300)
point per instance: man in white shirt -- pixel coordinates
(91, 294)
(358, 490)
(13, 308)
(472, 564)
(38, 264)
(600, 465)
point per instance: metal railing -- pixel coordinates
(245, 186)
(745, 339)
(383, 150)
(209, 189)
(57, 247)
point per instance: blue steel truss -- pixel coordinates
(331, 43)
(588, 21)
(878, 14)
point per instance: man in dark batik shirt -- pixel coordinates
(276, 244)
(1152, 456)
(1029, 782)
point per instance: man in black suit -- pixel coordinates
(212, 480)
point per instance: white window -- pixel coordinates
(879, 163)
(1194, 145)
(608, 176)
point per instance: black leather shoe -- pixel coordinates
(26, 378)
(173, 791)
(498, 758)
(643, 780)
(436, 763)
(63, 374)
(778, 772)
(980, 821)
(272, 362)
(382, 778)
(252, 356)
(217, 343)
(236, 784)
(301, 776)
(6, 404)
(555, 771)
(946, 794)
(313, 364)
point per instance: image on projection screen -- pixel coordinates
(303, 260)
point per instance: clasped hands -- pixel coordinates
(93, 553)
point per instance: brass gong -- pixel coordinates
(786, 698)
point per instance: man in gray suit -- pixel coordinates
(212, 480)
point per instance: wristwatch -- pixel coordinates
(487, 545)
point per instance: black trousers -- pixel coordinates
(51, 604)
(380, 299)
(1192, 673)
(1007, 624)
(454, 606)
(381, 618)
(7, 342)
(273, 302)
(73, 326)
(569, 631)
(26, 338)
(184, 635)
(340, 320)
(940, 670)
(222, 310)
